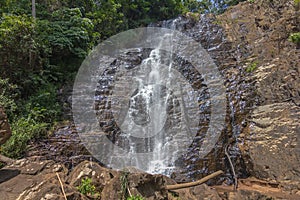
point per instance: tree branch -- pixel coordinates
(191, 184)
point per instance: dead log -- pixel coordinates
(191, 184)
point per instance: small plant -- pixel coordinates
(251, 67)
(86, 187)
(124, 185)
(295, 37)
(251, 1)
(137, 197)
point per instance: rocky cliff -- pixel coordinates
(269, 141)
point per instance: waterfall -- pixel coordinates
(148, 111)
(152, 87)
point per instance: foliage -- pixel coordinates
(23, 130)
(86, 187)
(142, 12)
(69, 35)
(37, 114)
(106, 18)
(196, 6)
(295, 37)
(20, 53)
(137, 197)
(43, 106)
(251, 67)
(8, 94)
(16, 7)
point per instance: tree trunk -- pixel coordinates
(33, 9)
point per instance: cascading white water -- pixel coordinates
(148, 109)
(157, 121)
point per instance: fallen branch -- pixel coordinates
(61, 185)
(232, 168)
(191, 184)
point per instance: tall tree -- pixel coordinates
(33, 9)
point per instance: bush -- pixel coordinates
(23, 130)
(8, 94)
(35, 117)
(43, 106)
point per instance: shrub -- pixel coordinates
(43, 106)
(8, 93)
(86, 187)
(23, 130)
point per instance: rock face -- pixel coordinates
(273, 143)
(269, 142)
(5, 131)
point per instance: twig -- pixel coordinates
(191, 184)
(129, 192)
(232, 168)
(62, 187)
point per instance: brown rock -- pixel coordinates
(100, 176)
(34, 179)
(273, 143)
(5, 131)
